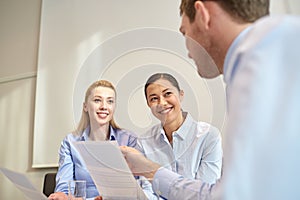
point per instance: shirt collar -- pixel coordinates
(112, 133)
(86, 133)
(229, 67)
(182, 132)
(163, 134)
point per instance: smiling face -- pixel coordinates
(164, 99)
(100, 105)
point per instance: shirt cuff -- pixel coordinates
(162, 181)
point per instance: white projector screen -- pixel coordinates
(121, 41)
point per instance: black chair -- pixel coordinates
(49, 183)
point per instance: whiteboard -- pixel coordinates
(124, 42)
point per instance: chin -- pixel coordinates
(104, 121)
(208, 74)
(162, 120)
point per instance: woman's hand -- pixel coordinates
(58, 196)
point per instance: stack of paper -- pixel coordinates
(109, 170)
(23, 183)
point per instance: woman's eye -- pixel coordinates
(168, 94)
(110, 101)
(97, 100)
(153, 99)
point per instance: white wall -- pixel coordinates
(123, 47)
(19, 35)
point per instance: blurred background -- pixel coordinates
(24, 26)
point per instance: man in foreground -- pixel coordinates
(259, 59)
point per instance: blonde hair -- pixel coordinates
(85, 119)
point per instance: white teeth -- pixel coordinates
(165, 111)
(102, 114)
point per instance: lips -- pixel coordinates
(102, 114)
(165, 111)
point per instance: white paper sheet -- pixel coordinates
(23, 184)
(109, 170)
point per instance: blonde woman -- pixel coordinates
(96, 124)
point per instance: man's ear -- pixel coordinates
(202, 15)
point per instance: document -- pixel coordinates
(109, 170)
(23, 184)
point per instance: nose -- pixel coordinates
(163, 101)
(103, 105)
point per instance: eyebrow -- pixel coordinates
(165, 89)
(104, 97)
(162, 92)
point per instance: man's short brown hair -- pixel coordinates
(240, 10)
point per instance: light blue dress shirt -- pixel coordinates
(262, 142)
(196, 152)
(71, 165)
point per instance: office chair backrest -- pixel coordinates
(49, 183)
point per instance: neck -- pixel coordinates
(225, 42)
(99, 133)
(173, 126)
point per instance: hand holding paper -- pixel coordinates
(138, 163)
(109, 170)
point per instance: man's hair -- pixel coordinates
(240, 10)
